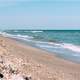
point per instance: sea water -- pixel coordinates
(62, 43)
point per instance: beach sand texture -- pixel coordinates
(23, 62)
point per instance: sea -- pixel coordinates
(62, 43)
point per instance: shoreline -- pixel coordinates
(48, 66)
(49, 52)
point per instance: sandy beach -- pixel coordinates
(26, 61)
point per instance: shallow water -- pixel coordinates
(65, 43)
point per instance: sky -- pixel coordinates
(39, 14)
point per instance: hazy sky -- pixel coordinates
(35, 14)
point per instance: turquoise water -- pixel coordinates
(65, 36)
(65, 43)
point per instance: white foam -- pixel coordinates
(5, 34)
(44, 46)
(76, 55)
(15, 31)
(24, 36)
(18, 36)
(41, 42)
(36, 31)
(71, 47)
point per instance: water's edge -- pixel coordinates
(61, 43)
(50, 52)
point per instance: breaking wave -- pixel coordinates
(45, 45)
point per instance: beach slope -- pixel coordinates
(35, 64)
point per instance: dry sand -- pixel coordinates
(18, 61)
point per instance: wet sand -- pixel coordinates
(38, 64)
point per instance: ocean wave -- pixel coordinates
(42, 44)
(72, 47)
(36, 31)
(15, 31)
(23, 37)
(53, 45)
(5, 34)
(76, 55)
